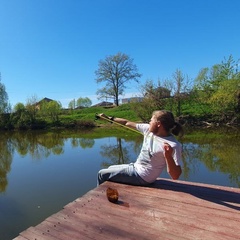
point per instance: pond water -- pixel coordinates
(40, 172)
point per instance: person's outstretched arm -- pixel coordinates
(121, 121)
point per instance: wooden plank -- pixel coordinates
(112, 225)
(61, 230)
(167, 215)
(166, 210)
(97, 213)
(20, 238)
(231, 204)
(134, 200)
(183, 200)
(33, 233)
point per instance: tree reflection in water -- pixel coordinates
(217, 150)
(6, 153)
(38, 145)
(83, 142)
(116, 153)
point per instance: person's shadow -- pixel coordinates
(219, 195)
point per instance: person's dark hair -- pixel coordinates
(168, 121)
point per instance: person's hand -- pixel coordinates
(168, 150)
(102, 115)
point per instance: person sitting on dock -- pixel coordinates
(160, 149)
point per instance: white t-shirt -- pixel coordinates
(151, 162)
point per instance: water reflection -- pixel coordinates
(31, 177)
(120, 152)
(6, 152)
(82, 142)
(38, 145)
(217, 151)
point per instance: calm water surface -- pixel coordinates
(40, 172)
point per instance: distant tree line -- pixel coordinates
(214, 93)
(33, 114)
(80, 103)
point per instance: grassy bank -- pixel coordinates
(89, 114)
(86, 118)
(191, 116)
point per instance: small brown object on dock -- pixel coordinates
(112, 195)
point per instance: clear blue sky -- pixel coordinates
(51, 48)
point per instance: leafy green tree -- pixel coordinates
(51, 109)
(20, 117)
(202, 88)
(115, 71)
(54, 109)
(225, 71)
(5, 107)
(219, 87)
(84, 102)
(19, 107)
(4, 104)
(225, 98)
(72, 104)
(211, 78)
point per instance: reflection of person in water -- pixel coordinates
(160, 149)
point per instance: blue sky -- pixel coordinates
(51, 48)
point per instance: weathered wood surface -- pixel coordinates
(167, 210)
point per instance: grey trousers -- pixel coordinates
(123, 173)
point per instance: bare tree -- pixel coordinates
(181, 88)
(31, 107)
(116, 71)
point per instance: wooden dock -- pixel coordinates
(167, 210)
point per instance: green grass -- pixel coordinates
(123, 111)
(192, 112)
